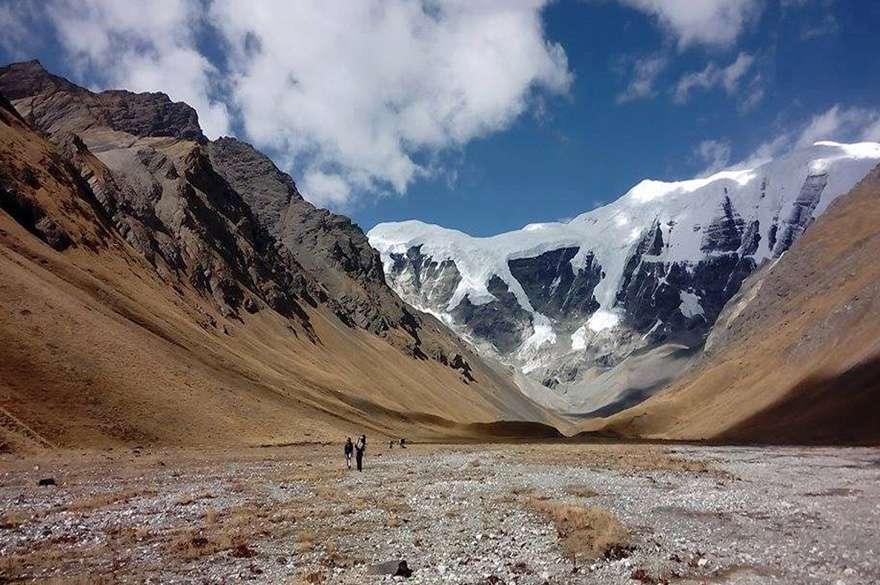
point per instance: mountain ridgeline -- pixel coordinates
(160, 286)
(610, 306)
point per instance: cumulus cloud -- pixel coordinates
(356, 91)
(714, 154)
(142, 46)
(357, 97)
(712, 76)
(700, 22)
(645, 73)
(14, 22)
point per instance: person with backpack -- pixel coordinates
(359, 449)
(349, 449)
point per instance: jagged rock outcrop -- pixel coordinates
(53, 104)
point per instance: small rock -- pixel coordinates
(403, 570)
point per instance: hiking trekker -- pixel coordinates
(359, 449)
(349, 449)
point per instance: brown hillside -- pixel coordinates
(142, 302)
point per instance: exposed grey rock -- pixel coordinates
(801, 213)
(502, 322)
(422, 280)
(217, 216)
(53, 103)
(552, 286)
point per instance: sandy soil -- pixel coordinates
(528, 514)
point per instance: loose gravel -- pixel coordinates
(455, 514)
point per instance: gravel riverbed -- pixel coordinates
(488, 514)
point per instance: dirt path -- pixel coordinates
(527, 514)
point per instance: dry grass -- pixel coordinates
(306, 541)
(12, 520)
(76, 580)
(587, 532)
(582, 491)
(193, 498)
(23, 567)
(192, 544)
(619, 457)
(107, 499)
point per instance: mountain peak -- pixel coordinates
(48, 100)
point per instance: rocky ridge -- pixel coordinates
(163, 288)
(218, 213)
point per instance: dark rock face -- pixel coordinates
(502, 322)
(432, 283)
(725, 232)
(329, 246)
(801, 214)
(552, 286)
(651, 290)
(151, 114)
(52, 103)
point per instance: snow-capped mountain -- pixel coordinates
(569, 303)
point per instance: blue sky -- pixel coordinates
(483, 119)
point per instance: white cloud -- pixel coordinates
(706, 22)
(359, 90)
(714, 76)
(142, 46)
(754, 95)
(837, 123)
(358, 97)
(14, 22)
(645, 73)
(872, 131)
(324, 189)
(715, 154)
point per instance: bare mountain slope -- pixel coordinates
(145, 297)
(795, 356)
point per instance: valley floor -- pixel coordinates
(482, 514)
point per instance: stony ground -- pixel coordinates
(527, 514)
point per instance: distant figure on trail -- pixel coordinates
(359, 449)
(349, 450)
(403, 442)
(391, 444)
